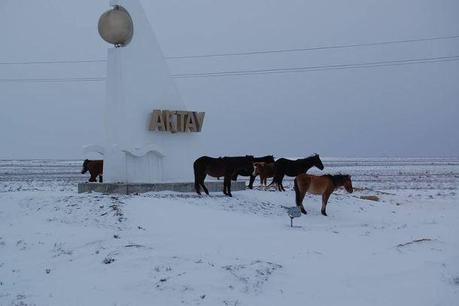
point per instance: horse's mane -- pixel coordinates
(311, 156)
(266, 156)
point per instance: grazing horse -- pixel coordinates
(96, 169)
(265, 170)
(288, 167)
(218, 167)
(241, 172)
(324, 185)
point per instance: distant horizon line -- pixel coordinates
(292, 157)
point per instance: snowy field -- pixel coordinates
(61, 248)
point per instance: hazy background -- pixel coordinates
(386, 111)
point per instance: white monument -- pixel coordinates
(138, 82)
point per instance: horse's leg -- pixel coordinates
(197, 178)
(229, 189)
(252, 179)
(201, 182)
(197, 186)
(281, 187)
(325, 197)
(93, 177)
(275, 181)
(278, 184)
(224, 186)
(299, 195)
(205, 188)
(227, 185)
(101, 180)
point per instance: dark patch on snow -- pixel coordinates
(108, 260)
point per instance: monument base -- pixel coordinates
(132, 188)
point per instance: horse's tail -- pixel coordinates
(196, 175)
(84, 168)
(297, 192)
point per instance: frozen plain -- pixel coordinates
(61, 248)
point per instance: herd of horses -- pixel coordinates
(266, 167)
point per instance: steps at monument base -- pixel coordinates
(130, 188)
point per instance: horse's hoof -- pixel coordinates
(304, 211)
(324, 213)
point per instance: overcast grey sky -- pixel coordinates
(409, 110)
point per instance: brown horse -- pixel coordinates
(288, 167)
(264, 159)
(324, 185)
(265, 170)
(220, 167)
(95, 168)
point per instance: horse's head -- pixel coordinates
(348, 184)
(85, 166)
(318, 162)
(257, 168)
(248, 164)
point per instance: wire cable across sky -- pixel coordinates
(55, 62)
(53, 80)
(321, 67)
(352, 45)
(364, 65)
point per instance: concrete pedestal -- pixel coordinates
(132, 188)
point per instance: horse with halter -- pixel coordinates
(288, 167)
(95, 168)
(264, 159)
(322, 185)
(218, 167)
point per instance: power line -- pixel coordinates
(53, 80)
(258, 71)
(54, 62)
(380, 43)
(245, 53)
(320, 68)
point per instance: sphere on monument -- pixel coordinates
(116, 26)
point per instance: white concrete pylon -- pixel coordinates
(138, 81)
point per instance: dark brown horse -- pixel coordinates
(220, 167)
(288, 167)
(95, 168)
(324, 185)
(242, 172)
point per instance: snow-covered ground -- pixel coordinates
(61, 248)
